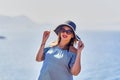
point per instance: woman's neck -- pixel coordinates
(63, 44)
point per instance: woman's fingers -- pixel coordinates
(46, 35)
(80, 45)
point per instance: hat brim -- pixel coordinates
(60, 26)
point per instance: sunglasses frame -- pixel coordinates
(68, 32)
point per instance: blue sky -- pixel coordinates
(88, 14)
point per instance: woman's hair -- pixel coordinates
(71, 42)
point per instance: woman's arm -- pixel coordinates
(40, 54)
(76, 68)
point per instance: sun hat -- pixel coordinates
(70, 24)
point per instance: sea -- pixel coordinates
(100, 59)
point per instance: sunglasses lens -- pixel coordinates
(67, 31)
(62, 31)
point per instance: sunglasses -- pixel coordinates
(68, 32)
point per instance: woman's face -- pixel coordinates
(66, 33)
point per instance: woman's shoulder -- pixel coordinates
(73, 49)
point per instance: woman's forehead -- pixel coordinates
(66, 27)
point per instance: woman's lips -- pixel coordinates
(64, 36)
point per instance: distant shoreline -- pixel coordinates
(2, 37)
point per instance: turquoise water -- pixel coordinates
(100, 57)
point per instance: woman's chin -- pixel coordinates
(65, 39)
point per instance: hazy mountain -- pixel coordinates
(16, 22)
(20, 22)
(20, 25)
(16, 25)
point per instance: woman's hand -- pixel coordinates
(76, 68)
(46, 35)
(40, 54)
(80, 46)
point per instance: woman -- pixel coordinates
(62, 60)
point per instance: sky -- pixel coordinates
(87, 14)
